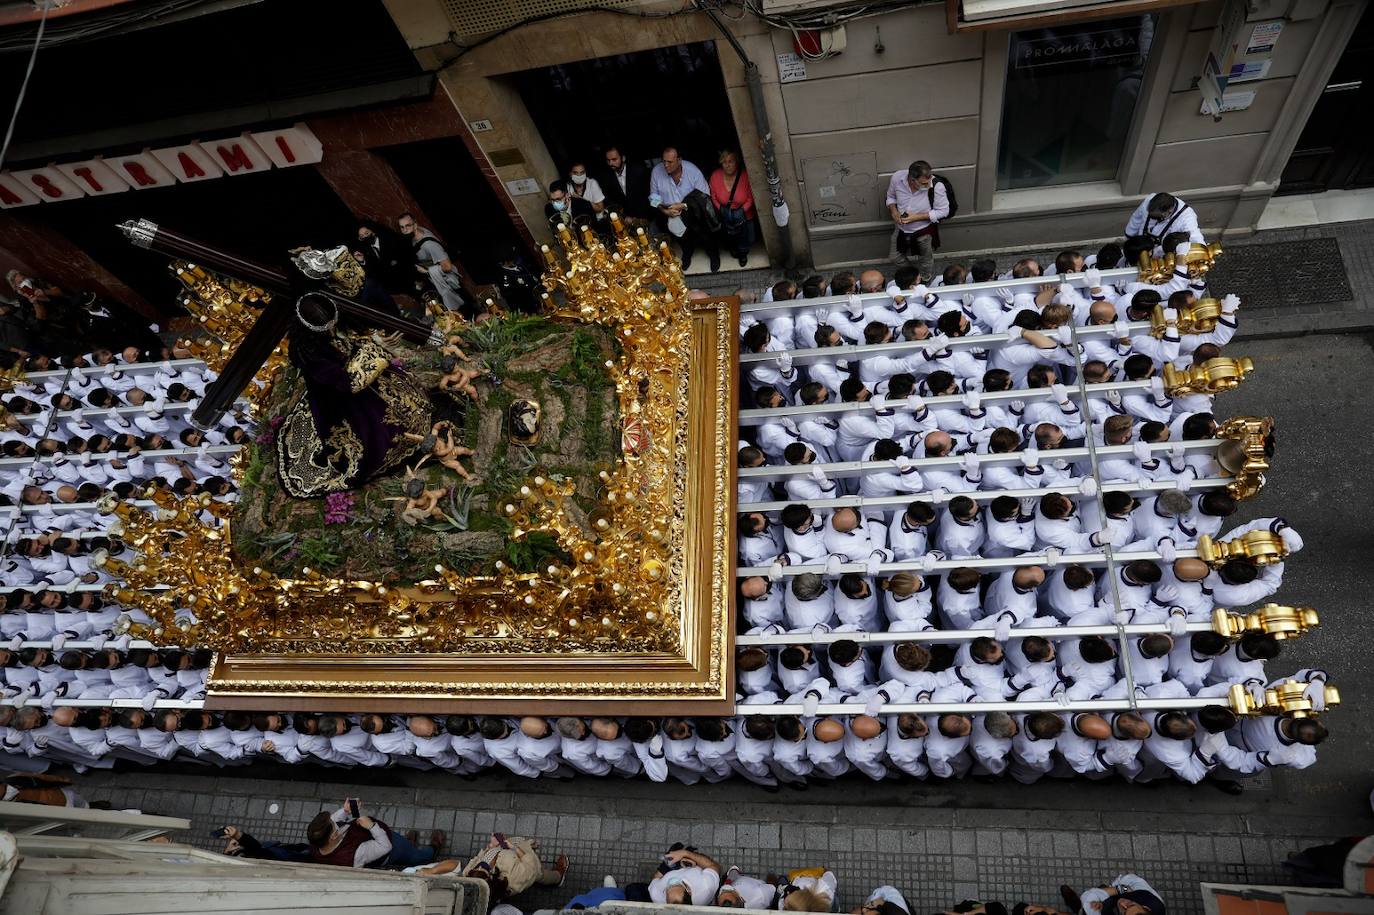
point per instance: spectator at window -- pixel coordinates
(734, 200)
(387, 257)
(626, 186)
(671, 188)
(433, 261)
(562, 209)
(582, 186)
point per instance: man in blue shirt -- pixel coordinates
(670, 183)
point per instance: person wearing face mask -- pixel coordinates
(582, 186)
(563, 209)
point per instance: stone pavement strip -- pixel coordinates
(936, 856)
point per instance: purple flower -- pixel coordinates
(337, 507)
(398, 363)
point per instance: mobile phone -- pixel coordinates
(903, 214)
(354, 807)
(501, 839)
(221, 833)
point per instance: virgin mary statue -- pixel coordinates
(351, 423)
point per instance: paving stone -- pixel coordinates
(768, 836)
(1228, 849)
(1118, 846)
(989, 842)
(1146, 847)
(1200, 848)
(865, 840)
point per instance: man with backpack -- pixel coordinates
(917, 199)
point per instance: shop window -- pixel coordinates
(1070, 96)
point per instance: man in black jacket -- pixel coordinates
(626, 186)
(387, 257)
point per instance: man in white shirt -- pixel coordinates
(671, 181)
(1164, 214)
(916, 202)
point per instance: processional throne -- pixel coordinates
(634, 611)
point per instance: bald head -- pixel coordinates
(1101, 313)
(1028, 577)
(1190, 569)
(1093, 727)
(606, 728)
(421, 726)
(536, 728)
(865, 727)
(871, 281)
(938, 444)
(844, 519)
(827, 730)
(754, 587)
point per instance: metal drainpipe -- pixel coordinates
(754, 80)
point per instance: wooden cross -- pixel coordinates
(271, 326)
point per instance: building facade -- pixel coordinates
(1050, 123)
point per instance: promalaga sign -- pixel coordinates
(201, 161)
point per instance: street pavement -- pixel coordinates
(943, 841)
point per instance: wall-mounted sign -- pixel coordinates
(201, 161)
(1263, 37)
(523, 186)
(791, 68)
(1248, 70)
(1117, 41)
(1221, 56)
(1235, 100)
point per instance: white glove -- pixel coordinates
(1005, 294)
(98, 642)
(1157, 387)
(842, 364)
(1028, 504)
(874, 565)
(1316, 694)
(785, 362)
(1113, 397)
(789, 424)
(149, 700)
(1063, 334)
(915, 403)
(967, 299)
(938, 496)
(1003, 630)
(87, 458)
(1229, 303)
(48, 700)
(1170, 315)
(107, 369)
(1121, 617)
(1014, 333)
(1292, 538)
(656, 745)
(16, 643)
(1061, 696)
(819, 475)
(1184, 483)
(1030, 458)
(856, 308)
(1052, 554)
(874, 705)
(929, 559)
(1087, 486)
(1018, 406)
(1212, 744)
(811, 704)
(1183, 248)
(1166, 594)
(122, 643)
(941, 341)
(1065, 291)
(775, 571)
(58, 640)
(1092, 277)
(1166, 549)
(1061, 393)
(832, 566)
(972, 400)
(902, 463)
(1178, 624)
(41, 741)
(1123, 329)
(970, 464)
(1176, 452)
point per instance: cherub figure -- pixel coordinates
(442, 445)
(457, 377)
(421, 503)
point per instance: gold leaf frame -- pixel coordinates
(687, 661)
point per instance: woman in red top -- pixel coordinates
(734, 200)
